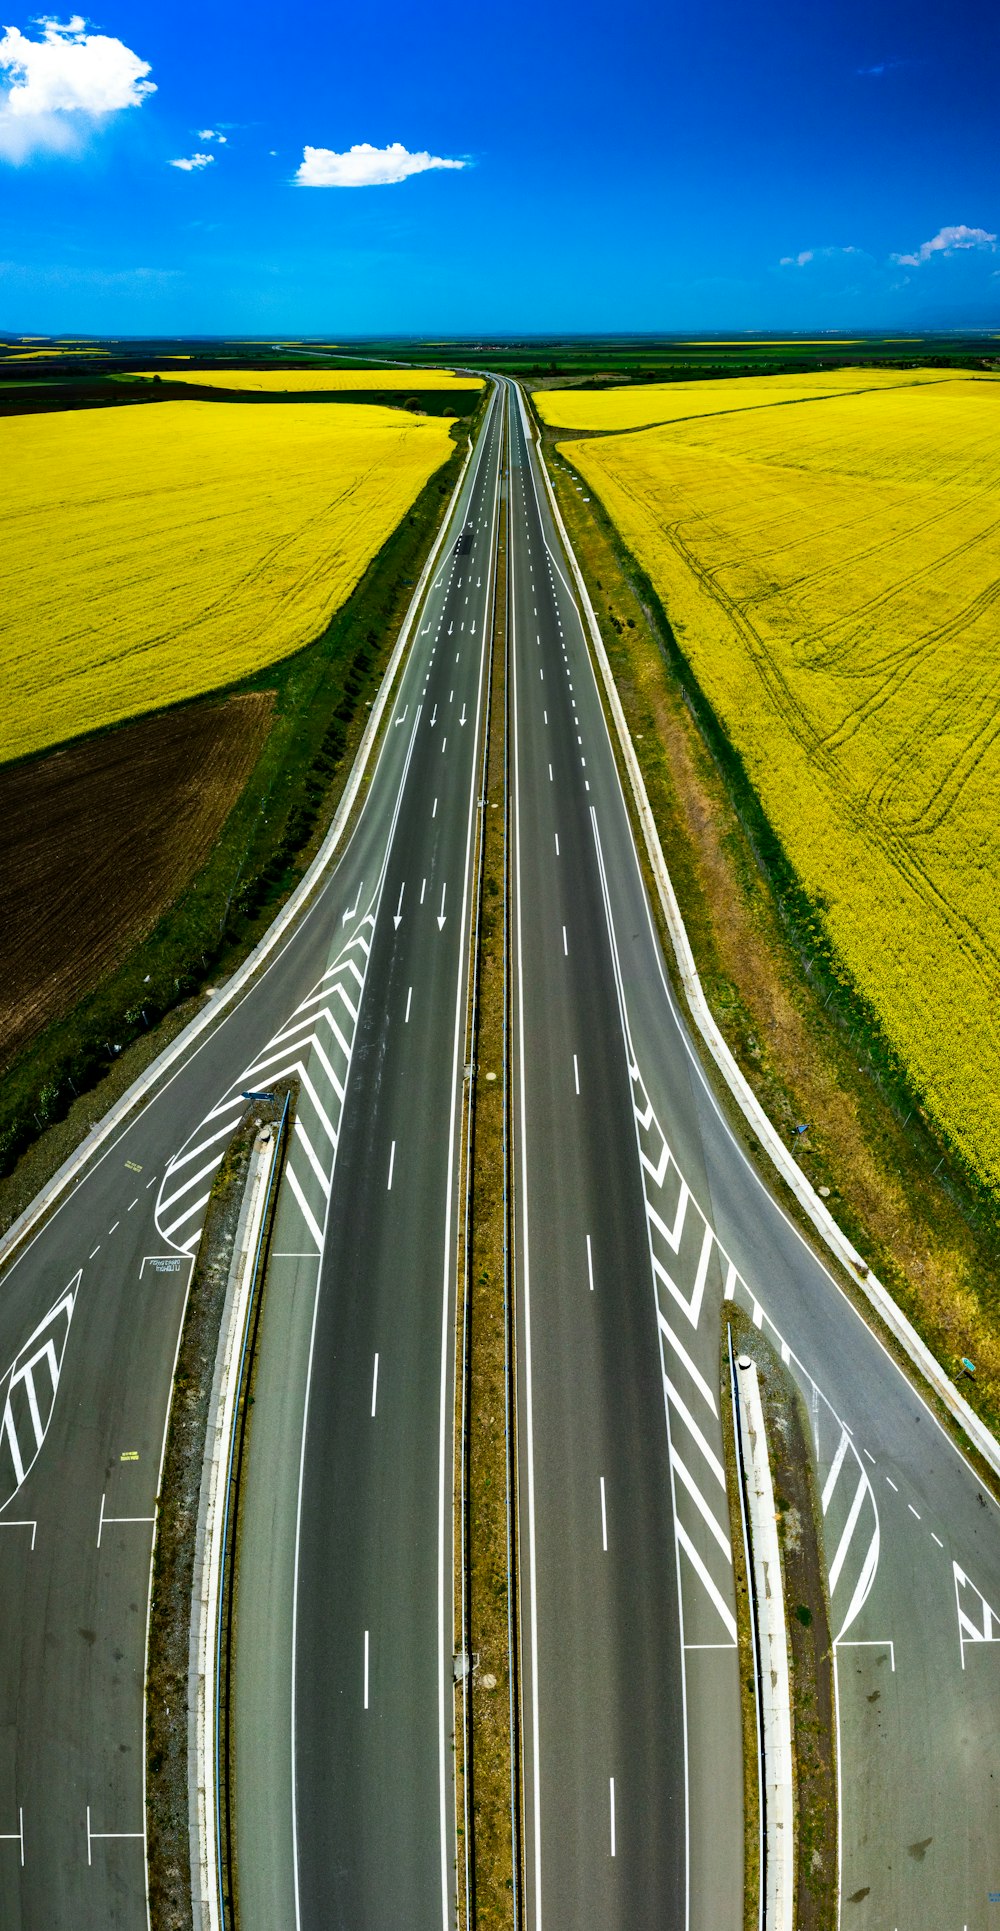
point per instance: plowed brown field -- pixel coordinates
(96, 841)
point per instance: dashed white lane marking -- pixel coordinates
(550, 774)
(434, 812)
(133, 1203)
(576, 1073)
(409, 998)
(614, 1831)
(366, 1669)
(912, 1510)
(604, 1518)
(93, 1251)
(590, 1265)
(565, 944)
(937, 1539)
(114, 1229)
(375, 1385)
(892, 1484)
(392, 1162)
(557, 844)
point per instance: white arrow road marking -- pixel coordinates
(29, 1389)
(450, 628)
(434, 715)
(444, 888)
(462, 718)
(348, 916)
(397, 917)
(401, 719)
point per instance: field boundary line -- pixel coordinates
(830, 1232)
(38, 1209)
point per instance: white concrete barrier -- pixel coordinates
(774, 1690)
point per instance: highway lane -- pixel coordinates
(911, 1540)
(89, 1315)
(606, 1798)
(374, 1633)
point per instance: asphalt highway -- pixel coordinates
(89, 1318)
(911, 1539)
(636, 1213)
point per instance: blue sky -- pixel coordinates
(624, 168)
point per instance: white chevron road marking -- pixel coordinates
(29, 1390)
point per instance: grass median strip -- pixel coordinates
(489, 1455)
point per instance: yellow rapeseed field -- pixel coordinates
(636, 405)
(832, 573)
(151, 553)
(313, 380)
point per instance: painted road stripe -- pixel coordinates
(694, 1558)
(692, 1426)
(307, 1212)
(700, 1503)
(835, 1468)
(848, 1531)
(310, 1154)
(167, 1232)
(194, 1180)
(696, 1375)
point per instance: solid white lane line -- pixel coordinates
(366, 1669)
(576, 1073)
(611, 1784)
(409, 997)
(590, 1265)
(392, 1162)
(375, 1385)
(604, 1518)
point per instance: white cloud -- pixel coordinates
(808, 255)
(67, 73)
(211, 134)
(193, 162)
(947, 241)
(364, 166)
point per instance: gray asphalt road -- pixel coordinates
(634, 1182)
(912, 1542)
(89, 1312)
(608, 1797)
